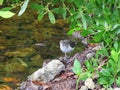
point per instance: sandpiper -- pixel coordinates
(67, 46)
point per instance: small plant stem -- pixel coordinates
(77, 82)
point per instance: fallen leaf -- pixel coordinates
(93, 44)
(9, 79)
(38, 82)
(5, 87)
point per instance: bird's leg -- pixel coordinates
(65, 55)
(65, 58)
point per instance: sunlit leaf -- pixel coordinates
(6, 14)
(116, 45)
(1, 2)
(72, 30)
(6, 9)
(23, 7)
(114, 55)
(77, 67)
(84, 22)
(51, 17)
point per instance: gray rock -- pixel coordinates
(90, 55)
(84, 88)
(90, 84)
(48, 72)
(97, 48)
(116, 88)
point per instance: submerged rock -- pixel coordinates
(21, 53)
(48, 72)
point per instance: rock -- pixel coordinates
(97, 48)
(48, 72)
(90, 55)
(89, 83)
(116, 89)
(84, 88)
(102, 89)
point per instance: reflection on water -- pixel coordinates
(18, 39)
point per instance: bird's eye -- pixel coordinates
(72, 44)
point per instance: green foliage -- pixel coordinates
(78, 70)
(110, 73)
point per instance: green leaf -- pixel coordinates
(73, 30)
(62, 0)
(102, 81)
(116, 45)
(84, 22)
(85, 33)
(40, 16)
(59, 10)
(6, 14)
(64, 14)
(99, 36)
(1, 2)
(116, 28)
(107, 81)
(16, 1)
(106, 72)
(78, 3)
(77, 67)
(89, 65)
(114, 55)
(118, 81)
(6, 9)
(36, 6)
(113, 67)
(51, 17)
(23, 7)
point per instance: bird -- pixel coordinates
(67, 46)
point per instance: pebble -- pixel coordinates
(90, 84)
(84, 88)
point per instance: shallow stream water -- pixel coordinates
(26, 42)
